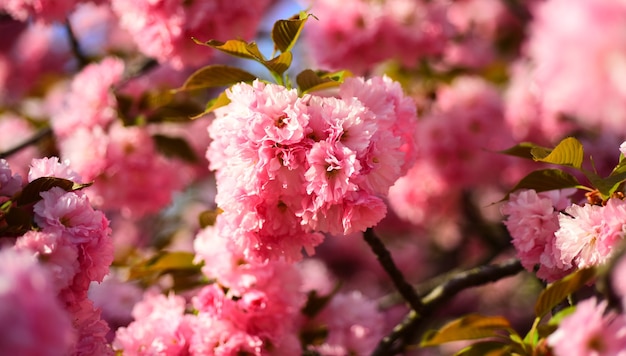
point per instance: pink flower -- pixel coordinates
(164, 29)
(9, 183)
(160, 327)
(354, 325)
(57, 252)
(32, 321)
(288, 166)
(588, 234)
(369, 33)
(576, 40)
(90, 102)
(52, 167)
(331, 169)
(46, 10)
(590, 330)
(533, 219)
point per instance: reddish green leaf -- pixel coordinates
(31, 192)
(469, 327)
(216, 76)
(221, 100)
(237, 48)
(285, 33)
(522, 150)
(485, 348)
(309, 80)
(208, 217)
(280, 63)
(163, 262)
(559, 290)
(174, 147)
(545, 180)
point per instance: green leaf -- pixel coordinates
(485, 348)
(208, 217)
(221, 100)
(469, 327)
(216, 76)
(545, 180)
(607, 186)
(164, 262)
(569, 152)
(560, 289)
(174, 147)
(177, 111)
(279, 64)
(31, 192)
(237, 48)
(309, 80)
(285, 33)
(523, 150)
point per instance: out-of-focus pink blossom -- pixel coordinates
(46, 10)
(14, 130)
(354, 325)
(32, 321)
(590, 330)
(90, 102)
(9, 183)
(369, 32)
(582, 39)
(164, 29)
(159, 327)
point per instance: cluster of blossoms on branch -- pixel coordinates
(70, 248)
(289, 167)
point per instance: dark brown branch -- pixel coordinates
(384, 257)
(43, 133)
(82, 59)
(403, 333)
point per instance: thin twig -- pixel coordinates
(82, 59)
(400, 336)
(41, 134)
(384, 257)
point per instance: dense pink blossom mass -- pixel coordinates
(289, 167)
(312, 177)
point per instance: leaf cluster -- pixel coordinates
(496, 335)
(285, 34)
(569, 153)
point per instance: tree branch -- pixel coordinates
(402, 334)
(75, 46)
(34, 139)
(384, 257)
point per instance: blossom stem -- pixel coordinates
(405, 332)
(384, 257)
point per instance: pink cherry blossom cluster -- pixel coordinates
(289, 167)
(164, 29)
(547, 230)
(591, 45)
(72, 241)
(370, 32)
(592, 329)
(252, 308)
(45, 10)
(128, 172)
